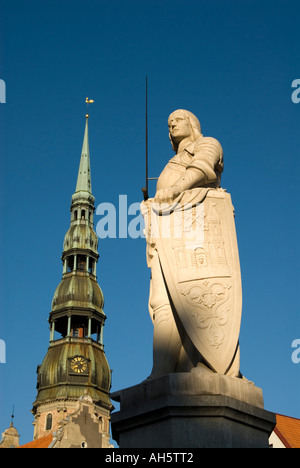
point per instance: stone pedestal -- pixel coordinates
(198, 409)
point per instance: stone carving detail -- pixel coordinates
(211, 308)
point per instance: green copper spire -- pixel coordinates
(75, 363)
(84, 175)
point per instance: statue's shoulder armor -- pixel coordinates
(207, 156)
(207, 144)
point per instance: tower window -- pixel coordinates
(75, 215)
(70, 264)
(82, 214)
(77, 332)
(91, 266)
(81, 262)
(49, 422)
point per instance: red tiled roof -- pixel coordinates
(43, 442)
(288, 430)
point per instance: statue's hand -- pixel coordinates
(166, 195)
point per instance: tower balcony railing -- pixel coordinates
(76, 339)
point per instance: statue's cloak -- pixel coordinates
(196, 242)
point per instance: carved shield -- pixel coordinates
(198, 252)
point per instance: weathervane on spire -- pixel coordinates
(13, 415)
(88, 101)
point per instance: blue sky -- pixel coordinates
(229, 62)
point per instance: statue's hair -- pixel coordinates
(195, 125)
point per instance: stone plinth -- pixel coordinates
(192, 410)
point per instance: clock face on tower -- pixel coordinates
(79, 365)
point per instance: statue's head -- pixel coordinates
(183, 124)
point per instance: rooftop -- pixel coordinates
(288, 430)
(43, 442)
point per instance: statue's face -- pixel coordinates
(179, 126)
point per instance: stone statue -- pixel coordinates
(195, 297)
(195, 303)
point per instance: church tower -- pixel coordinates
(75, 376)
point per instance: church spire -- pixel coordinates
(75, 365)
(84, 182)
